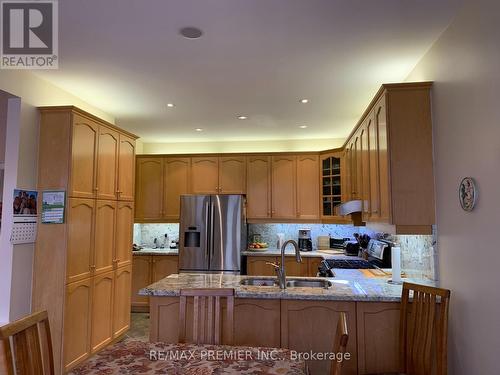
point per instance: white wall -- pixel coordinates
(291, 145)
(33, 92)
(465, 65)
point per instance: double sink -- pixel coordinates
(290, 283)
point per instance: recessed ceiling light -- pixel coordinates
(242, 117)
(191, 32)
(170, 105)
(304, 101)
(199, 129)
(303, 126)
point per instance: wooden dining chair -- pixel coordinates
(28, 345)
(340, 343)
(423, 330)
(207, 315)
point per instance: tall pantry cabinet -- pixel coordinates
(82, 268)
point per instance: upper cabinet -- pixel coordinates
(176, 181)
(258, 187)
(149, 188)
(232, 174)
(308, 187)
(284, 188)
(390, 155)
(126, 168)
(107, 164)
(205, 175)
(332, 184)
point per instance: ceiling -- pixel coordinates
(256, 58)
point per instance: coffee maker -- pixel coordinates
(305, 242)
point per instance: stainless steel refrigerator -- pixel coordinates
(213, 232)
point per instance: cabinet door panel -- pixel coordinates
(300, 320)
(77, 322)
(313, 264)
(374, 171)
(284, 187)
(365, 170)
(378, 339)
(121, 300)
(126, 168)
(124, 233)
(102, 311)
(141, 277)
(295, 269)
(177, 180)
(107, 163)
(83, 157)
(256, 266)
(308, 187)
(164, 266)
(258, 187)
(80, 238)
(105, 227)
(149, 189)
(257, 322)
(205, 175)
(232, 175)
(383, 157)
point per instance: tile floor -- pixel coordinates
(139, 327)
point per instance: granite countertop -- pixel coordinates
(150, 251)
(348, 285)
(331, 253)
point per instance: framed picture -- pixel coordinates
(53, 207)
(467, 193)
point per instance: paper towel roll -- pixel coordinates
(396, 264)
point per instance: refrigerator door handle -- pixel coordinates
(208, 234)
(211, 229)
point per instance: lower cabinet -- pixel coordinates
(77, 322)
(305, 326)
(97, 310)
(102, 311)
(147, 269)
(121, 301)
(257, 266)
(309, 326)
(378, 337)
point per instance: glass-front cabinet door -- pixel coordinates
(331, 186)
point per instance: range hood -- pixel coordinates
(350, 207)
(353, 208)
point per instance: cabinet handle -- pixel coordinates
(96, 189)
(93, 267)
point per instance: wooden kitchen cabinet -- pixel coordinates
(105, 226)
(333, 185)
(257, 265)
(77, 322)
(312, 266)
(163, 266)
(107, 163)
(102, 311)
(141, 277)
(126, 168)
(85, 133)
(232, 174)
(258, 187)
(147, 269)
(177, 176)
(310, 326)
(205, 175)
(149, 189)
(296, 269)
(308, 187)
(124, 233)
(80, 243)
(121, 300)
(378, 337)
(90, 159)
(257, 323)
(284, 177)
(396, 173)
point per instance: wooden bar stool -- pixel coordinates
(340, 343)
(207, 315)
(28, 345)
(423, 330)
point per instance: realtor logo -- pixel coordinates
(29, 34)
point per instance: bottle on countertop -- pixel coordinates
(165, 241)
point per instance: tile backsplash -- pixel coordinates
(418, 252)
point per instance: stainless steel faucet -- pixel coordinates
(280, 268)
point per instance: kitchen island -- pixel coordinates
(302, 319)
